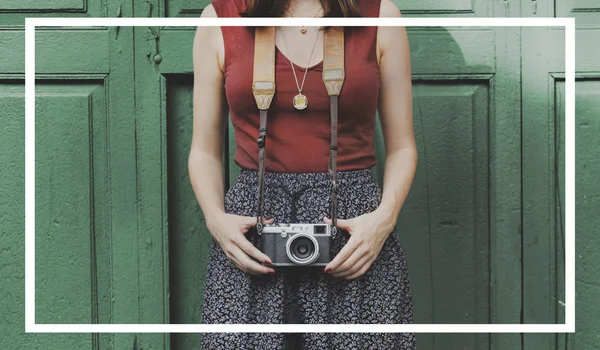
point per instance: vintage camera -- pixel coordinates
(297, 244)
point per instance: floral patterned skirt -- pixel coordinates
(306, 294)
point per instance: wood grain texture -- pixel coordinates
(36, 6)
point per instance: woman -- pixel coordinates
(367, 280)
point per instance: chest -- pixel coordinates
(359, 94)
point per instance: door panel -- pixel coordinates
(452, 185)
(34, 6)
(585, 12)
(14, 12)
(60, 297)
(444, 225)
(60, 51)
(476, 8)
(66, 193)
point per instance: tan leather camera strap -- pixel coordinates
(263, 88)
(333, 78)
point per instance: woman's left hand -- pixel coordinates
(367, 232)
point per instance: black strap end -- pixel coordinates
(335, 187)
(261, 141)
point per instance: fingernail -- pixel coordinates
(272, 272)
(327, 269)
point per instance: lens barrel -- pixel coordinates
(302, 249)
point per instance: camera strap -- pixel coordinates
(263, 89)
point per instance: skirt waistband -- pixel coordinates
(343, 177)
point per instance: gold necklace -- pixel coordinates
(303, 29)
(300, 101)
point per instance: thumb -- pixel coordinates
(343, 224)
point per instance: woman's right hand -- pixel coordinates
(229, 231)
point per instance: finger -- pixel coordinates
(357, 255)
(361, 271)
(231, 248)
(341, 223)
(348, 249)
(242, 242)
(247, 265)
(351, 260)
(234, 260)
(354, 268)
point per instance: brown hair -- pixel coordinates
(277, 8)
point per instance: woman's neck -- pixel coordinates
(305, 2)
(304, 8)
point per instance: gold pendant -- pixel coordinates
(303, 29)
(300, 102)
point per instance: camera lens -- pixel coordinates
(302, 249)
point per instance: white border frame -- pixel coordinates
(32, 327)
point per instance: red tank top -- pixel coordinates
(298, 141)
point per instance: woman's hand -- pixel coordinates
(229, 231)
(368, 232)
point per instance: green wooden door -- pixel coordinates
(100, 254)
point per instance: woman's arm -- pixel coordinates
(205, 160)
(395, 114)
(369, 231)
(210, 113)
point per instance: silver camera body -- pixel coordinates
(297, 244)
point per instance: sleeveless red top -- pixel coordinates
(298, 141)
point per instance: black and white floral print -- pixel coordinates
(306, 294)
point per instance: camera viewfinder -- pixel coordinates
(320, 229)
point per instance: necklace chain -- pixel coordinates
(316, 14)
(303, 28)
(300, 88)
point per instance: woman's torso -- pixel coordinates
(298, 141)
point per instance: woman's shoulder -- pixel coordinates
(388, 9)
